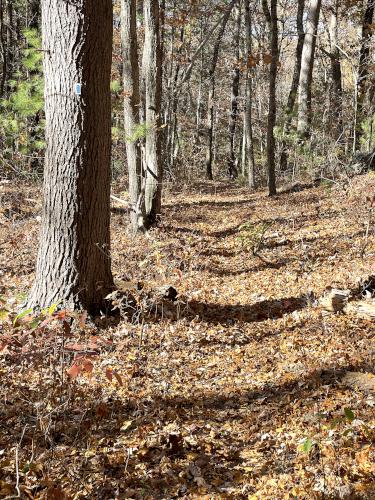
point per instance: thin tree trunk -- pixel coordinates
(248, 155)
(173, 107)
(336, 76)
(294, 87)
(363, 72)
(4, 52)
(199, 95)
(271, 16)
(307, 66)
(211, 92)
(152, 78)
(232, 170)
(34, 14)
(132, 100)
(73, 265)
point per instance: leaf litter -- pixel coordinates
(239, 387)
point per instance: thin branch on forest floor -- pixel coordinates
(119, 200)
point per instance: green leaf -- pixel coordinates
(22, 315)
(349, 414)
(115, 86)
(307, 445)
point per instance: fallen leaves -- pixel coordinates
(216, 400)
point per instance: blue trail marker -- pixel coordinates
(78, 88)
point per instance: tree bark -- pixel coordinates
(294, 86)
(4, 52)
(307, 66)
(211, 92)
(74, 265)
(232, 170)
(152, 79)
(336, 75)
(132, 100)
(248, 155)
(34, 14)
(363, 72)
(271, 16)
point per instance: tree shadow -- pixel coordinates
(258, 408)
(260, 311)
(213, 204)
(262, 266)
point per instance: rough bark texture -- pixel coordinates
(132, 101)
(248, 155)
(211, 92)
(294, 86)
(152, 81)
(272, 97)
(232, 169)
(363, 71)
(307, 66)
(73, 265)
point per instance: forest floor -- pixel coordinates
(242, 388)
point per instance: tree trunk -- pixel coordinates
(232, 170)
(4, 52)
(271, 16)
(294, 87)
(34, 14)
(248, 155)
(336, 76)
(73, 265)
(307, 66)
(152, 78)
(211, 92)
(132, 101)
(363, 72)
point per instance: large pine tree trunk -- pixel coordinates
(307, 66)
(152, 81)
(74, 264)
(132, 101)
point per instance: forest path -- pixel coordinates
(216, 403)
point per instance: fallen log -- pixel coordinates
(363, 308)
(335, 300)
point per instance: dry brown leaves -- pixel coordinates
(243, 389)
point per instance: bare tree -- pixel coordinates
(363, 71)
(294, 86)
(232, 169)
(271, 17)
(307, 66)
(211, 91)
(151, 69)
(248, 149)
(132, 102)
(335, 74)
